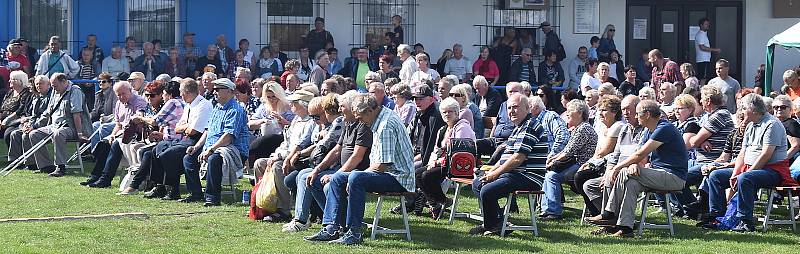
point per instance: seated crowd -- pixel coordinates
(328, 132)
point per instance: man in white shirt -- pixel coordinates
(703, 50)
(409, 63)
(115, 64)
(726, 84)
(459, 65)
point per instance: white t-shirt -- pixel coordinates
(431, 75)
(701, 38)
(729, 88)
(589, 81)
(407, 70)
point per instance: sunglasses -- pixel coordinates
(151, 95)
(541, 95)
(457, 95)
(780, 107)
(104, 81)
(612, 30)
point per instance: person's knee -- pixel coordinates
(261, 163)
(552, 176)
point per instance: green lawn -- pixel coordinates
(225, 229)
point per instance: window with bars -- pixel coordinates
(148, 20)
(286, 22)
(373, 18)
(33, 26)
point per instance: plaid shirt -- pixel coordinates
(531, 139)
(229, 118)
(392, 146)
(168, 116)
(231, 71)
(669, 73)
(556, 129)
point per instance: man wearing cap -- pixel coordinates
(227, 136)
(283, 160)
(115, 63)
(551, 40)
(109, 153)
(16, 59)
(317, 38)
(136, 80)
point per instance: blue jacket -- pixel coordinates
(351, 68)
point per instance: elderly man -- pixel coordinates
(502, 125)
(360, 66)
(487, 99)
(409, 66)
(320, 72)
(378, 90)
(227, 136)
(207, 86)
(167, 156)
(115, 63)
(523, 68)
(554, 127)
(150, 63)
(761, 163)
(66, 118)
(137, 82)
(459, 64)
(391, 170)
(522, 166)
(667, 158)
(38, 105)
(283, 161)
(667, 94)
(109, 153)
(728, 85)
(664, 70)
(629, 139)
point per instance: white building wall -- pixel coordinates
(440, 24)
(759, 27)
(247, 24)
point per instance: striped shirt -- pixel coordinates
(628, 141)
(393, 147)
(720, 124)
(556, 129)
(531, 139)
(228, 118)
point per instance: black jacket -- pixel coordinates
(493, 101)
(423, 131)
(516, 71)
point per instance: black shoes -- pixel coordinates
(549, 217)
(88, 181)
(100, 184)
(59, 172)
(47, 170)
(172, 194)
(212, 203)
(192, 199)
(157, 192)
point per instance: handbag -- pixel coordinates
(563, 164)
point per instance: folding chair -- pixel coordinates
(376, 229)
(791, 221)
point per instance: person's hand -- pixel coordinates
(311, 177)
(325, 179)
(205, 154)
(287, 167)
(190, 150)
(583, 167)
(155, 136)
(610, 177)
(706, 146)
(633, 170)
(490, 176)
(705, 170)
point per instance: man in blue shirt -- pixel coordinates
(667, 156)
(227, 133)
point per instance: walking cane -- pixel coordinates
(27, 154)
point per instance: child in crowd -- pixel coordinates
(595, 41)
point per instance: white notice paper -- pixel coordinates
(693, 32)
(639, 29)
(669, 28)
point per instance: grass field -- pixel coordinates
(225, 229)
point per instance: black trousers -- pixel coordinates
(430, 181)
(580, 178)
(169, 157)
(262, 147)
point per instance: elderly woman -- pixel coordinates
(647, 93)
(164, 120)
(562, 166)
(687, 73)
(14, 103)
(462, 93)
(404, 105)
(291, 67)
(604, 74)
(37, 106)
(283, 160)
(761, 163)
(715, 125)
(268, 122)
(791, 84)
(667, 92)
(610, 125)
(430, 178)
(424, 72)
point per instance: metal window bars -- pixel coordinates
(147, 20)
(41, 19)
(286, 22)
(373, 18)
(497, 18)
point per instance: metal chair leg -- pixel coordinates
(769, 210)
(791, 213)
(454, 209)
(642, 222)
(377, 217)
(669, 219)
(505, 214)
(583, 214)
(532, 207)
(405, 217)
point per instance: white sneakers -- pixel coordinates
(295, 226)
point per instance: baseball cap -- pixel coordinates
(422, 91)
(300, 95)
(224, 83)
(545, 23)
(135, 75)
(14, 41)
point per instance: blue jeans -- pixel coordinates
(747, 184)
(290, 180)
(354, 197)
(306, 194)
(191, 167)
(106, 129)
(108, 169)
(490, 193)
(551, 203)
(693, 178)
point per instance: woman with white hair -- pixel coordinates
(269, 121)
(404, 104)
(462, 93)
(562, 166)
(604, 74)
(15, 100)
(424, 71)
(647, 93)
(430, 180)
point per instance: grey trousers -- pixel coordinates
(15, 146)
(60, 136)
(626, 190)
(596, 192)
(285, 199)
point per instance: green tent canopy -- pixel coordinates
(788, 39)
